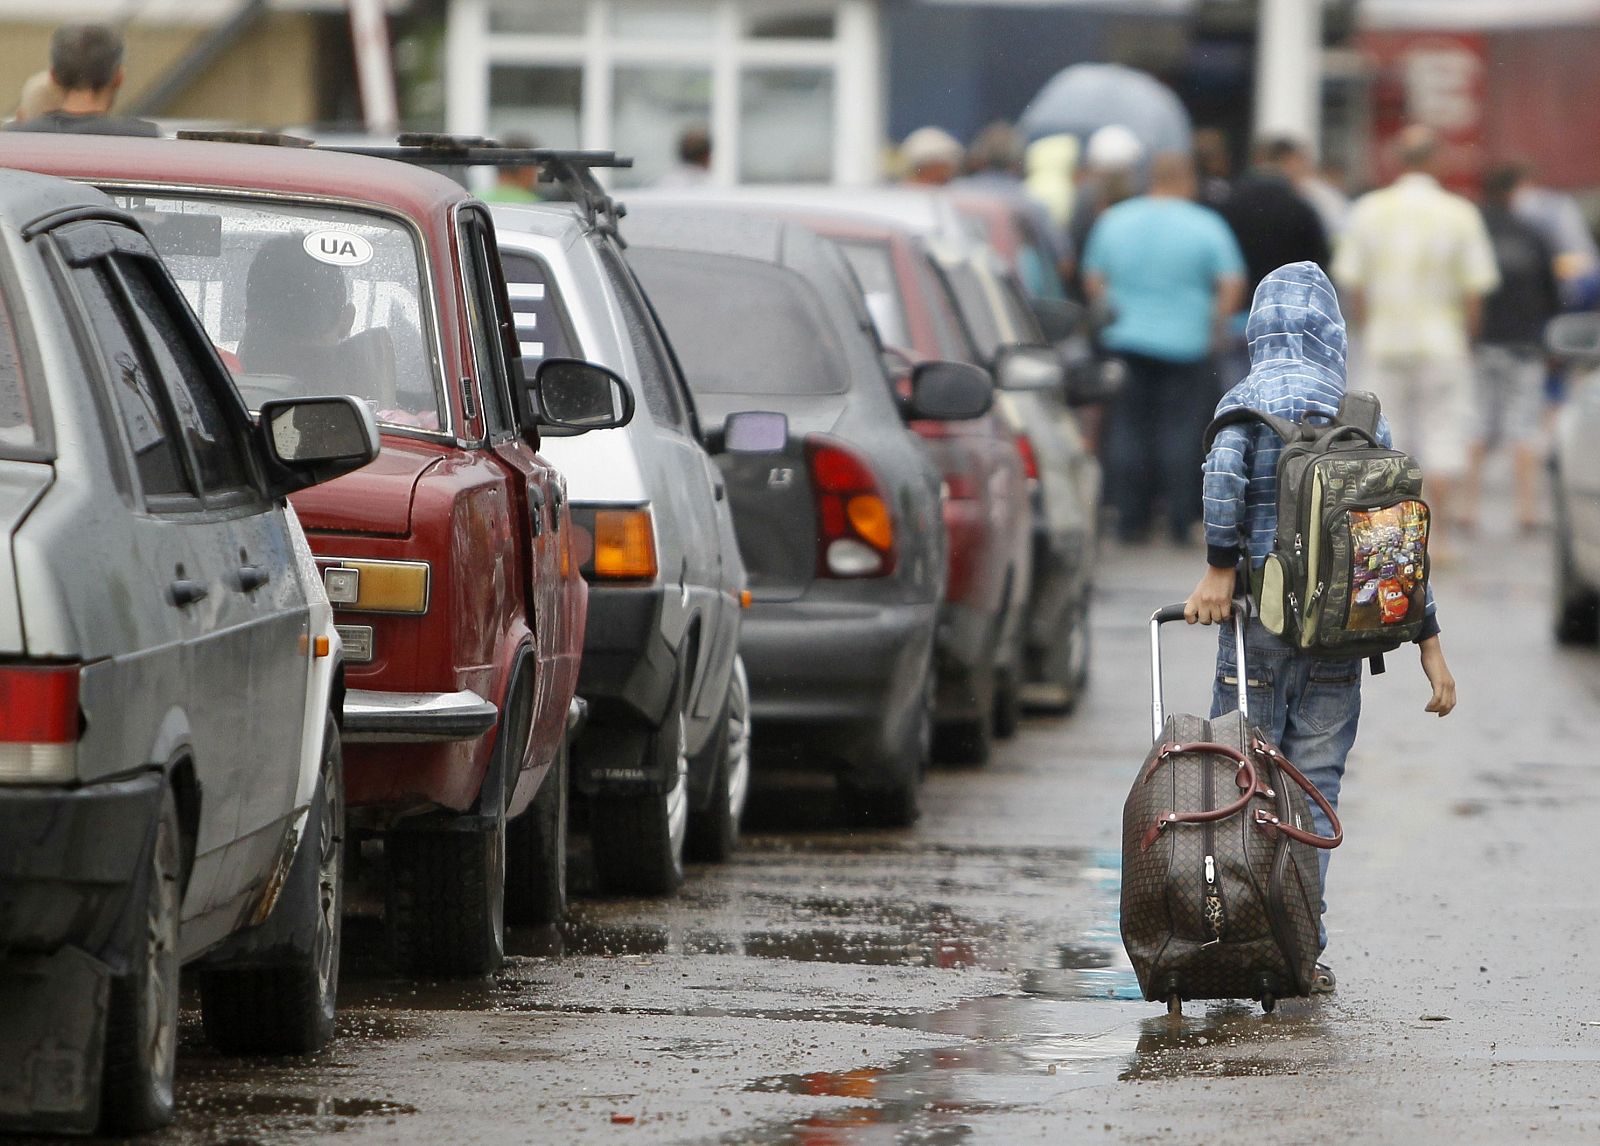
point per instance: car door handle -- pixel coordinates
(184, 592)
(252, 577)
(720, 491)
(536, 508)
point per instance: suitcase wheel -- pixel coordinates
(1175, 1006)
(1268, 1003)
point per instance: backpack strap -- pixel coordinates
(1285, 429)
(1360, 409)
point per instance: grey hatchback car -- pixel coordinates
(170, 785)
(841, 534)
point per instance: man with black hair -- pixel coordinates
(694, 159)
(1274, 223)
(86, 64)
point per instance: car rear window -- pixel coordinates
(976, 312)
(18, 433)
(873, 264)
(542, 327)
(304, 300)
(741, 326)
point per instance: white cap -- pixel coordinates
(1113, 148)
(930, 145)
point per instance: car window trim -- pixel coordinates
(475, 234)
(228, 402)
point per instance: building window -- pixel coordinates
(768, 77)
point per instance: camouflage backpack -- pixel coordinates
(1348, 571)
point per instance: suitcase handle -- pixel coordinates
(1269, 823)
(1169, 613)
(1246, 778)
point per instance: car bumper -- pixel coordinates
(836, 685)
(372, 717)
(72, 874)
(627, 663)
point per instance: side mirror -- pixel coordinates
(750, 432)
(312, 440)
(949, 391)
(1029, 368)
(1059, 318)
(575, 396)
(1574, 337)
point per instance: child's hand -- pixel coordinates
(1438, 673)
(1212, 600)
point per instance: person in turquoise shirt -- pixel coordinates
(1172, 276)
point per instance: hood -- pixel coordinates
(1295, 317)
(374, 499)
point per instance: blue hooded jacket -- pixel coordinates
(1297, 369)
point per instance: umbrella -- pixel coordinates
(1086, 97)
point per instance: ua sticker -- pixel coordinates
(341, 248)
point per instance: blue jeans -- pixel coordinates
(1152, 448)
(1308, 707)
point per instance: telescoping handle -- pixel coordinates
(1169, 613)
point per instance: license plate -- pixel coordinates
(357, 642)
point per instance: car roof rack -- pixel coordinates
(571, 170)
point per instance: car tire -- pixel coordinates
(1577, 606)
(638, 841)
(287, 1006)
(142, 1021)
(1007, 704)
(898, 804)
(1065, 671)
(714, 830)
(536, 851)
(444, 903)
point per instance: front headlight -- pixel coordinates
(364, 586)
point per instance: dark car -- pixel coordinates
(842, 536)
(170, 782)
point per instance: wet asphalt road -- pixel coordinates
(964, 981)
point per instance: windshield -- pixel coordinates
(742, 327)
(304, 300)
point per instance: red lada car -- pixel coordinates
(449, 560)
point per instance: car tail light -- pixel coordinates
(855, 527)
(1030, 460)
(624, 545)
(39, 723)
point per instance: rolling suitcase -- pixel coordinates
(1220, 884)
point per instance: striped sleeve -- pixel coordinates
(1226, 475)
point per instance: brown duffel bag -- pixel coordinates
(1220, 885)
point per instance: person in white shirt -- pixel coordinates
(1416, 262)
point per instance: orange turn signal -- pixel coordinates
(870, 518)
(624, 544)
(745, 597)
(323, 647)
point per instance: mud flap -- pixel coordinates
(52, 1041)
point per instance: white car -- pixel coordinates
(170, 785)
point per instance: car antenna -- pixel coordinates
(570, 170)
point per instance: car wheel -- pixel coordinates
(1577, 606)
(536, 851)
(142, 1024)
(968, 741)
(638, 840)
(1007, 704)
(1065, 670)
(714, 832)
(286, 1005)
(444, 902)
(896, 805)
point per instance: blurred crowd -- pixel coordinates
(1446, 298)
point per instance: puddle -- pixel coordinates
(252, 1105)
